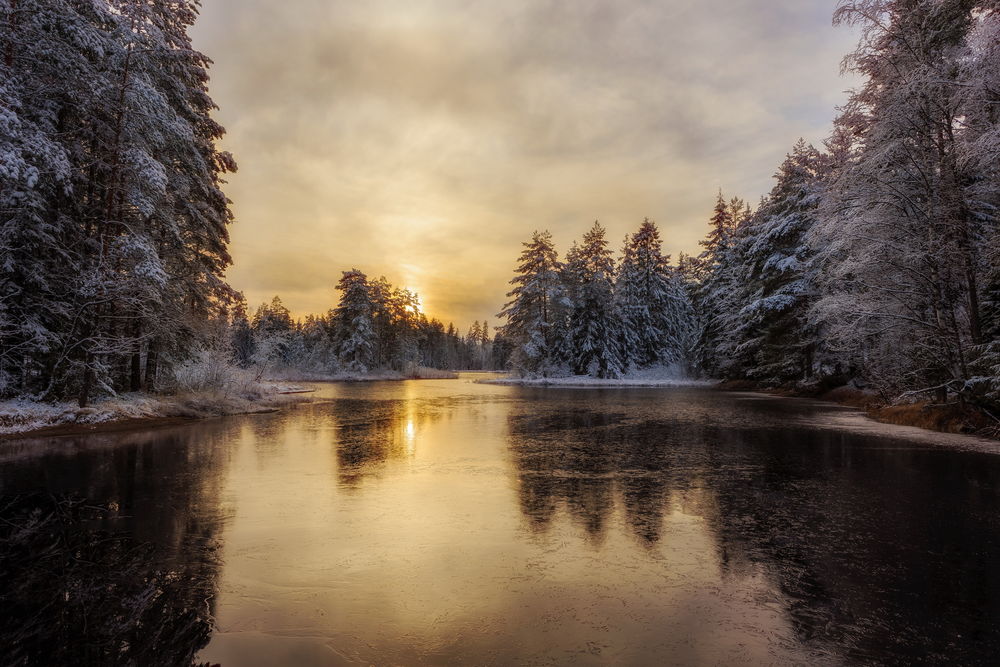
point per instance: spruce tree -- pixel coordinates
(713, 297)
(595, 328)
(112, 217)
(654, 307)
(775, 342)
(354, 339)
(534, 308)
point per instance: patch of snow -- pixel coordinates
(22, 416)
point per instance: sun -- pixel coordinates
(413, 307)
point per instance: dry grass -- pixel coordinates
(945, 418)
(852, 397)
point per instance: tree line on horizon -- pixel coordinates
(374, 327)
(874, 259)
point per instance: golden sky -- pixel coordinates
(424, 140)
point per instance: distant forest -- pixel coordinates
(374, 327)
(874, 259)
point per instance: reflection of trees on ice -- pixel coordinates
(124, 570)
(802, 508)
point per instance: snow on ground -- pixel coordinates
(21, 416)
(243, 396)
(653, 377)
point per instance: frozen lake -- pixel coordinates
(447, 522)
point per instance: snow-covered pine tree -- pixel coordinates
(111, 212)
(452, 347)
(354, 332)
(653, 304)
(534, 307)
(188, 232)
(241, 334)
(595, 327)
(122, 279)
(571, 274)
(272, 328)
(51, 55)
(317, 351)
(690, 273)
(714, 295)
(730, 294)
(486, 343)
(775, 342)
(433, 345)
(380, 291)
(475, 333)
(405, 317)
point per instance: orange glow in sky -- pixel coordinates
(424, 140)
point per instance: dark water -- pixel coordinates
(445, 522)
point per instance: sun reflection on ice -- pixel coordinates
(410, 423)
(410, 432)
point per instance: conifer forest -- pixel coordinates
(873, 259)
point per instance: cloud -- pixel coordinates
(426, 139)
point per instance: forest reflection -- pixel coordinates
(578, 459)
(839, 528)
(369, 433)
(860, 545)
(118, 561)
(585, 460)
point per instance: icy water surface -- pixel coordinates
(446, 522)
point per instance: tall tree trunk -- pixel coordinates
(975, 317)
(8, 58)
(152, 362)
(135, 374)
(87, 383)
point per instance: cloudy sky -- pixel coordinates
(424, 140)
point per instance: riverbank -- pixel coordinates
(23, 418)
(944, 418)
(948, 418)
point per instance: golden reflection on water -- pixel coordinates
(410, 430)
(438, 538)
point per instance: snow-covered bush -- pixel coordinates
(212, 371)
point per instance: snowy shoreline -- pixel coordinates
(25, 418)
